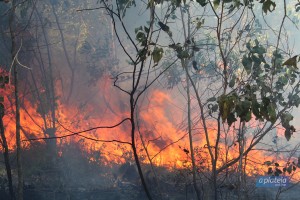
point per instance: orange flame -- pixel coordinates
(160, 134)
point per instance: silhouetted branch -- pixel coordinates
(73, 133)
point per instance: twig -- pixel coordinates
(77, 133)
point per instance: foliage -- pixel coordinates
(238, 76)
(275, 169)
(257, 96)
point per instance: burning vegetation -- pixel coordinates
(178, 105)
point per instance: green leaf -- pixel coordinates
(272, 112)
(285, 122)
(214, 108)
(290, 169)
(1, 99)
(256, 108)
(199, 24)
(288, 134)
(285, 119)
(231, 119)
(164, 27)
(211, 99)
(270, 170)
(216, 3)
(256, 59)
(146, 29)
(226, 106)
(223, 107)
(142, 54)
(183, 54)
(247, 63)
(247, 117)
(243, 110)
(277, 172)
(260, 50)
(232, 81)
(276, 164)
(291, 62)
(202, 2)
(268, 5)
(297, 6)
(140, 36)
(157, 54)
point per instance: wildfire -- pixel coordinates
(161, 135)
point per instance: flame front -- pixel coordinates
(161, 134)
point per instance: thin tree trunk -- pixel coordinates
(215, 161)
(17, 103)
(50, 92)
(133, 146)
(241, 152)
(184, 66)
(66, 54)
(194, 169)
(18, 137)
(6, 160)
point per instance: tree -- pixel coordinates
(139, 73)
(239, 84)
(252, 81)
(5, 80)
(14, 58)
